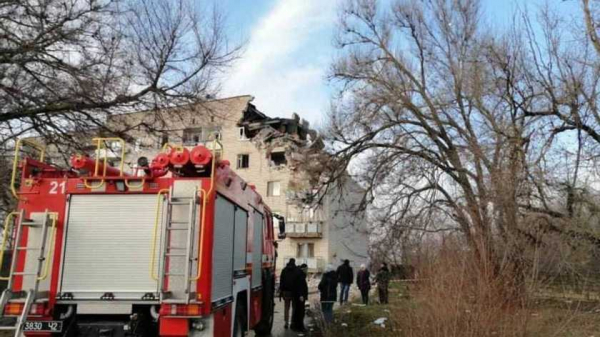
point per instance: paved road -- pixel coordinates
(278, 323)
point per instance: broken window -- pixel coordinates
(273, 188)
(242, 131)
(278, 159)
(243, 161)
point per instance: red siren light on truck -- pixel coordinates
(88, 164)
(161, 161)
(179, 157)
(201, 155)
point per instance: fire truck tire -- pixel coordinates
(264, 327)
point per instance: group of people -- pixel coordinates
(293, 289)
(382, 279)
(344, 275)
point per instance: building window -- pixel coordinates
(217, 135)
(305, 250)
(273, 189)
(243, 161)
(164, 139)
(278, 159)
(242, 131)
(192, 136)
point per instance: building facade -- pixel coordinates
(264, 151)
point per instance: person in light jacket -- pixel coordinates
(328, 292)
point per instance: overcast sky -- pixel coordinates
(289, 49)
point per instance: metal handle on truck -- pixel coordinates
(18, 145)
(101, 145)
(155, 234)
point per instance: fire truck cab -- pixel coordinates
(181, 247)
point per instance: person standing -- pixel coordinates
(328, 291)
(383, 281)
(286, 286)
(300, 294)
(345, 277)
(364, 283)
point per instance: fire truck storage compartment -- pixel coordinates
(108, 246)
(228, 218)
(240, 235)
(257, 242)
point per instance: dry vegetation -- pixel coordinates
(454, 297)
(477, 145)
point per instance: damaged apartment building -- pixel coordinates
(266, 152)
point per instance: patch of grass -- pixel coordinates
(546, 317)
(356, 320)
(564, 318)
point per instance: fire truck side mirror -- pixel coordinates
(281, 222)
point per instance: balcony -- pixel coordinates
(315, 264)
(304, 229)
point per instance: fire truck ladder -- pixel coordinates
(172, 252)
(30, 296)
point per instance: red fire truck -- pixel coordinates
(183, 247)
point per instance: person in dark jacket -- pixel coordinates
(345, 278)
(286, 286)
(383, 281)
(364, 283)
(300, 295)
(328, 291)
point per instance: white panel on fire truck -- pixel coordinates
(222, 278)
(185, 188)
(257, 231)
(241, 238)
(108, 246)
(31, 258)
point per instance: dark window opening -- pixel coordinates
(164, 139)
(192, 136)
(243, 161)
(278, 159)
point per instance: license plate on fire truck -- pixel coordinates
(43, 326)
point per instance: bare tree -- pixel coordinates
(453, 127)
(67, 65)
(438, 111)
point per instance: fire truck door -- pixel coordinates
(108, 246)
(222, 277)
